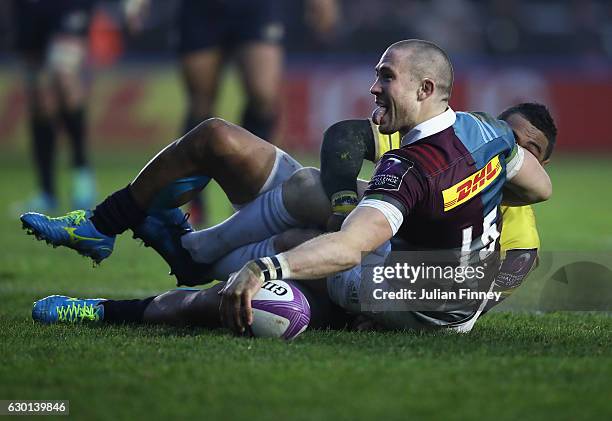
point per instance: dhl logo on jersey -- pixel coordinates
(472, 185)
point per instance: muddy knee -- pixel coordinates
(305, 199)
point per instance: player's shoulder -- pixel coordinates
(476, 129)
(490, 124)
(392, 169)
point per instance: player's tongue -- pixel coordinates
(378, 115)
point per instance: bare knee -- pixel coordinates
(305, 199)
(305, 180)
(293, 238)
(209, 139)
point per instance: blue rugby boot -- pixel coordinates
(74, 230)
(162, 230)
(62, 309)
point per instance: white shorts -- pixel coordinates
(284, 167)
(344, 289)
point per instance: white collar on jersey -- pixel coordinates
(432, 126)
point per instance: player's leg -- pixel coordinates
(256, 221)
(260, 67)
(299, 201)
(239, 161)
(174, 307)
(66, 61)
(200, 48)
(201, 73)
(31, 46)
(258, 35)
(43, 132)
(200, 26)
(236, 259)
(186, 308)
(200, 70)
(179, 307)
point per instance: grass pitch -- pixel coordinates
(527, 366)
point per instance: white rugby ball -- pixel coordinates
(280, 310)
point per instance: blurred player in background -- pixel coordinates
(250, 32)
(51, 38)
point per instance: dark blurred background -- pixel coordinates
(504, 51)
(582, 28)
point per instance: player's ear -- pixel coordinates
(546, 161)
(426, 89)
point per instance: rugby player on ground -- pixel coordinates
(440, 190)
(533, 127)
(536, 143)
(299, 197)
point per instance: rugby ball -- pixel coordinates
(280, 310)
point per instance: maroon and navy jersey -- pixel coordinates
(441, 193)
(447, 181)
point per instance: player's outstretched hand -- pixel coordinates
(235, 309)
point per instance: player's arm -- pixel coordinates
(364, 230)
(395, 187)
(527, 181)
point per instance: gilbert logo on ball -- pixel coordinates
(280, 310)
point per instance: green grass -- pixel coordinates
(513, 365)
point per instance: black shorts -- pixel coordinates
(227, 24)
(37, 22)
